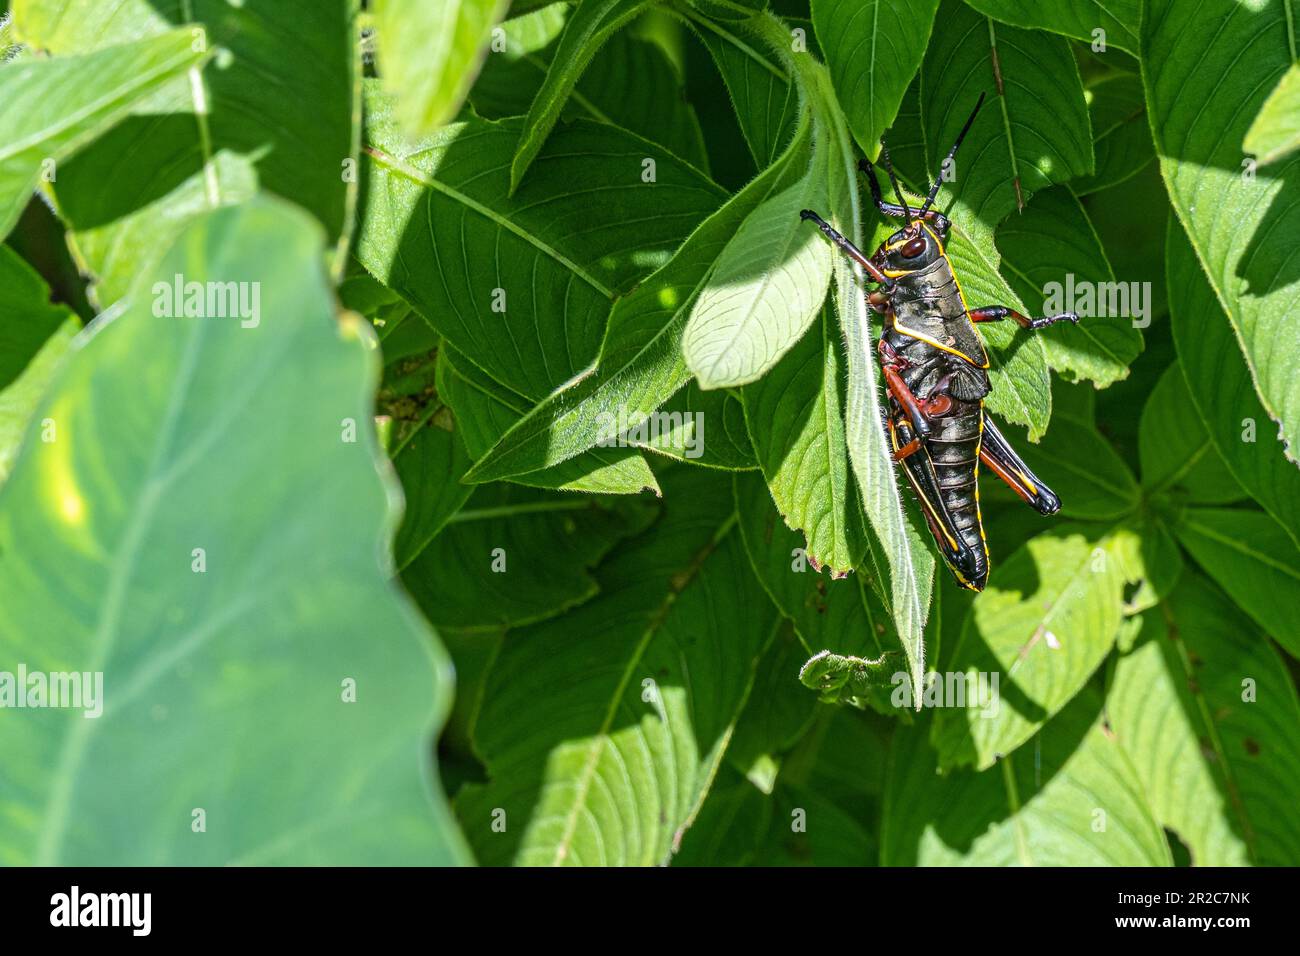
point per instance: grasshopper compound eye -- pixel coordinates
(914, 248)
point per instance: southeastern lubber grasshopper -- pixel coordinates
(936, 374)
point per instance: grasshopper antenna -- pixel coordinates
(934, 190)
(898, 190)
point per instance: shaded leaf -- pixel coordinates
(1052, 257)
(1219, 383)
(602, 730)
(590, 24)
(1040, 809)
(1203, 87)
(1250, 556)
(1046, 621)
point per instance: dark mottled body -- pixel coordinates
(939, 350)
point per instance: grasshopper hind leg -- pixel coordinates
(997, 453)
(965, 558)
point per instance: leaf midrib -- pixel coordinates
(422, 179)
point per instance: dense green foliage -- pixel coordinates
(553, 253)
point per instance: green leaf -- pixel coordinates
(513, 556)
(778, 713)
(872, 49)
(602, 730)
(1046, 621)
(1118, 19)
(123, 216)
(829, 613)
(630, 83)
(591, 23)
(430, 463)
(1221, 390)
(1203, 87)
(522, 285)
(54, 107)
(767, 287)
(765, 101)
(1276, 132)
(19, 399)
(239, 673)
(1122, 136)
(1052, 257)
(430, 51)
(1032, 132)
(1175, 447)
(1074, 801)
(796, 421)
(27, 316)
(1207, 716)
(640, 365)
(255, 97)
(484, 411)
(1250, 556)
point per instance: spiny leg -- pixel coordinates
(997, 453)
(996, 313)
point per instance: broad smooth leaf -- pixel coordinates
(163, 539)
(1082, 19)
(602, 730)
(1175, 448)
(591, 23)
(641, 364)
(872, 49)
(522, 285)
(1276, 131)
(1052, 257)
(630, 83)
(484, 411)
(513, 556)
(796, 421)
(1032, 132)
(1203, 88)
(430, 52)
(1219, 383)
(283, 88)
(27, 316)
(1037, 809)
(1121, 133)
(766, 289)
(1046, 621)
(1204, 710)
(54, 107)
(1250, 556)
